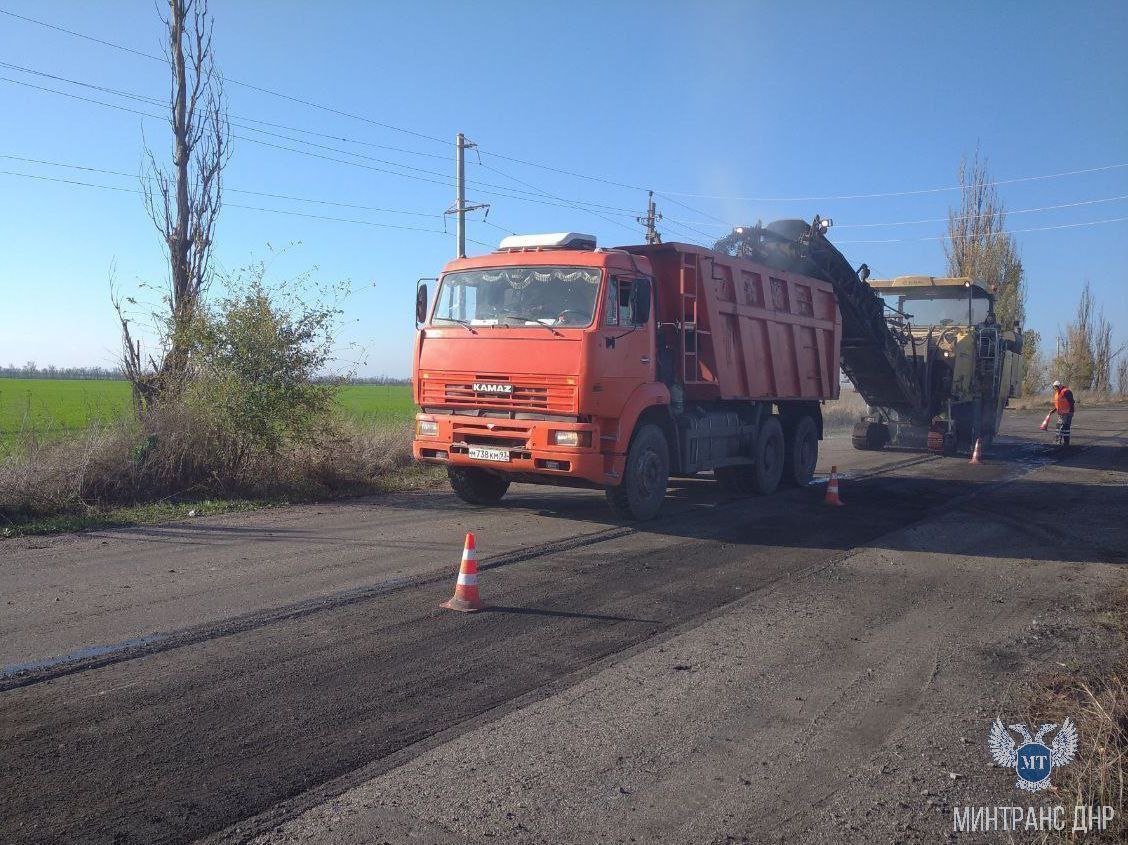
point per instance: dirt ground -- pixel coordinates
(736, 671)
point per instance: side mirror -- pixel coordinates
(420, 303)
(640, 301)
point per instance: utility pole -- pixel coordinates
(650, 220)
(460, 207)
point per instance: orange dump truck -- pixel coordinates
(556, 362)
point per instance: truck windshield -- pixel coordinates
(943, 311)
(519, 296)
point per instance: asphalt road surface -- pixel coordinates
(735, 671)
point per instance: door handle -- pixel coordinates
(645, 359)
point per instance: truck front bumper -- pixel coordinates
(515, 447)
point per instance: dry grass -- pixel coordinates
(843, 412)
(1096, 699)
(1084, 398)
(178, 456)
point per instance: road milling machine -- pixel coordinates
(927, 354)
(967, 365)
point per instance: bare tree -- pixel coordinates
(1102, 354)
(1074, 361)
(183, 201)
(1122, 375)
(978, 245)
(1035, 376)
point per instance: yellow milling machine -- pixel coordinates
(966, 365)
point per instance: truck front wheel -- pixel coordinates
(645, 478)
(477, 486)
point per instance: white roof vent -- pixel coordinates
(554, 240)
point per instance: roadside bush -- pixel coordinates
(257, 354)
(256, 418)
(179, 456)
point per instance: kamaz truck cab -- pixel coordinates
(966, 364)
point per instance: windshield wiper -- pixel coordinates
(464, 323)
(529, 320)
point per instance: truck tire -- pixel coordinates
(645, 478)
(770, 456)
(477, 486)
(869, 436)
(802, 452)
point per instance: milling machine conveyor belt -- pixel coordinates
(872, 356)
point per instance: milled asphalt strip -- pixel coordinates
(244, 831)
(85, 659)
(34, 672)
(247, 829)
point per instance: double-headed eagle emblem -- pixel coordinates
(1033, 760)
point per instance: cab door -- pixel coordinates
(624, 354)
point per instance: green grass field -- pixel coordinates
(61, 405)
(52, 405)
(377, 402)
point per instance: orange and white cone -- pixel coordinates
(832, 490)
(1046, 422)
(466, 598)
(976, 453)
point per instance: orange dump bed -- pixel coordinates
(741, 330)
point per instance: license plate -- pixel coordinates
(487, 453)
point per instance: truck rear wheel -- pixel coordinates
(802, 452)
(645, 478)
(477, 486)
(770, 455)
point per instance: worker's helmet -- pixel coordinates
(1057, 383)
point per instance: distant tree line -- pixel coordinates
(32, 370)
(376, 380)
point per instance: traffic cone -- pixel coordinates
(466, 598)
(832, 490)
(1046, 422)
(976, 453)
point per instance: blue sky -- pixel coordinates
(708, 103)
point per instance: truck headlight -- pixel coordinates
(570, 438)
(427, 428)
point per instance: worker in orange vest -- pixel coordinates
(1064, 405)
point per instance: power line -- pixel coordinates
(1006, 232)
(505, 191)
(250, 207)
(686, 224)
(915, 192)
(233, 81)
(695, 211)
(551, 196)
(356, 206)
(441, 232)
(156, 101)
(1007, 212)
(666, 193)
(227, 204)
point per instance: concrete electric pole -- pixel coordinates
(650, 221)
(460, 207)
